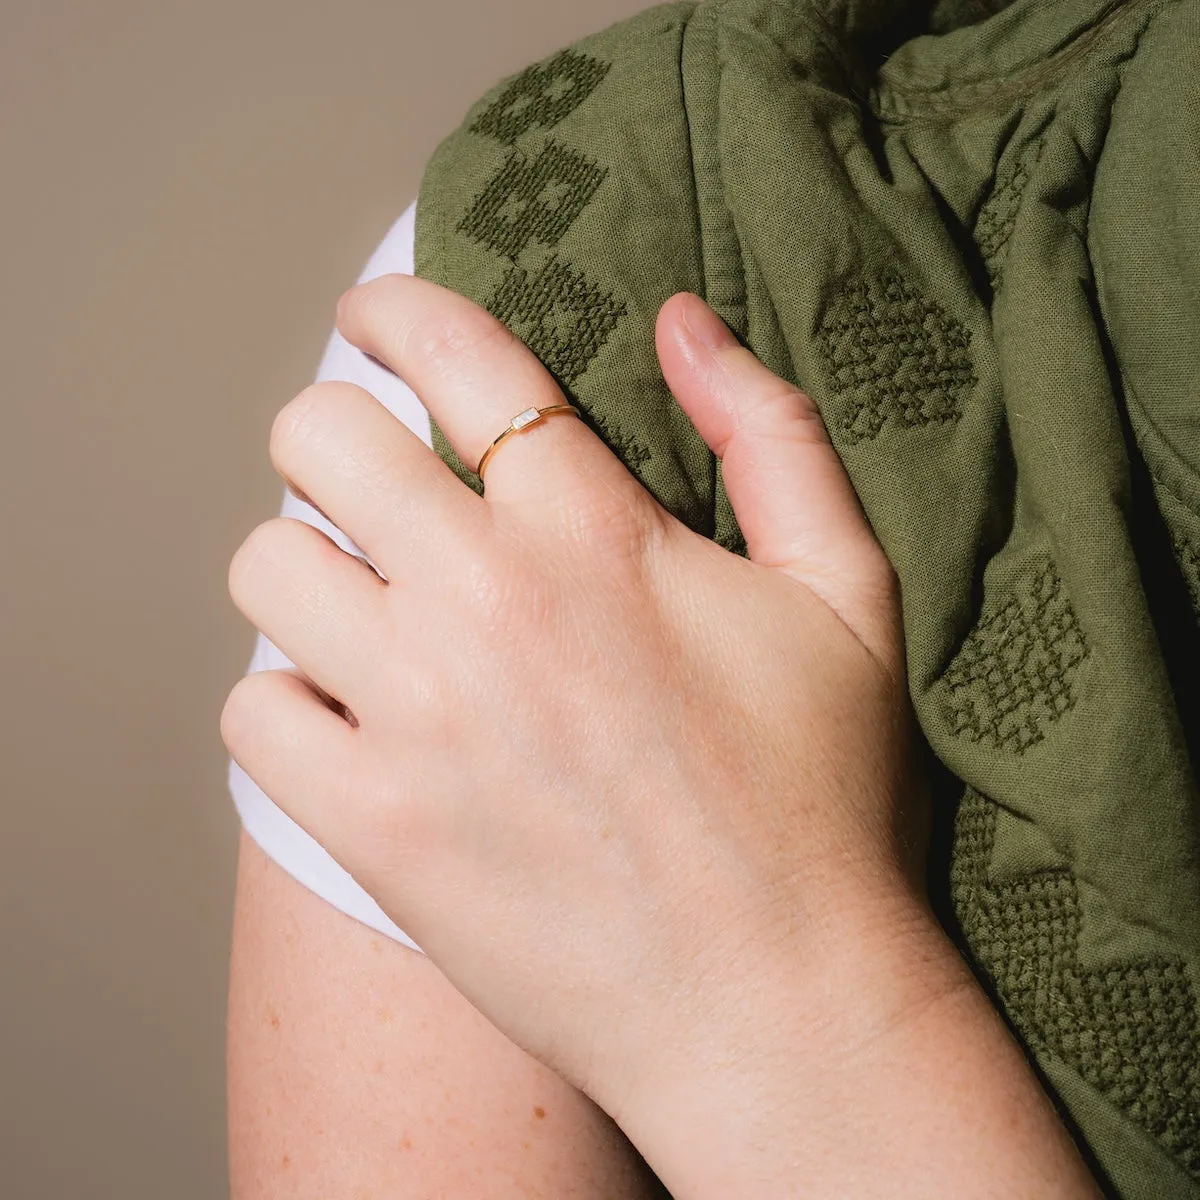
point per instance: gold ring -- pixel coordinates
(523, 419)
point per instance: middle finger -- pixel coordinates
(322, 607)
(371, 476)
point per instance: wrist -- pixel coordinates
(773, 1014)
(864, 1059)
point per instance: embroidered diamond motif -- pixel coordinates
(559, 314)
(541, 95)
(1014, 676)
(896, 356)
(525, 418)
(532, 199)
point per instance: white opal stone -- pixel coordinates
(525, 418)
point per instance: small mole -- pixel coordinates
(273, 1017)
(539, 1111)
(287, 1161)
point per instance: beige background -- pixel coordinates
(185, 189)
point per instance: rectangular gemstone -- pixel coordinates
(525, 418)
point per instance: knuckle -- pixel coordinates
(784, 406)
(264, 541)
(241, 712)
(394, 829)
(362, 303)
(432, 711)
(241, 565)
(458, 339)
(297, 420)
(623, 534)
(446, 334)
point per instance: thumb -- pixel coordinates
(791, 495)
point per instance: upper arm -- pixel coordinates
(356, 1069)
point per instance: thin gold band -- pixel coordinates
(523, 419)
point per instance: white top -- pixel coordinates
(278, 835)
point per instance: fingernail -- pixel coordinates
(704, 324)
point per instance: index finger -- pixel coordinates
(474, 375)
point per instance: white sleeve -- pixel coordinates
(278, 835)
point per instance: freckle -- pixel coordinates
(286, 1161)
(273, 1017)
(406, 1142)
(539, 1111)
(386, 1016)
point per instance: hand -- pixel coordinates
(593, 749)
(612, 778)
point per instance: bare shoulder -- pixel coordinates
(355, 1069)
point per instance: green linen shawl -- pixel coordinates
(970, 230)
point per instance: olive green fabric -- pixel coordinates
(971, 232)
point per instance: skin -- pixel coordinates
(356, 1070)
(656, 811)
